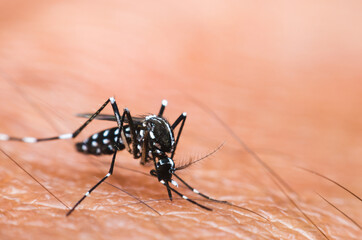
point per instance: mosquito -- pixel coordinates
(150, 138)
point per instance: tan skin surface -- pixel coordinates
(284, 77)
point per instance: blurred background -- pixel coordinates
(284, 76)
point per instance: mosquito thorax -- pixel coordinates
(160, 133)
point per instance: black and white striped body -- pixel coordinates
(103, 142)
(153, 138)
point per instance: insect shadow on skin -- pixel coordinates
(150, 138)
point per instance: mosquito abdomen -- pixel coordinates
(103, 142)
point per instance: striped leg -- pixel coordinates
(197, 192)
(132, 129)
(182, 119)
(218, 201)
(154, 173)
(184, 197)
(162, 109)
(110, 172)
(169, 189)
(5, 137)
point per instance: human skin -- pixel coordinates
(285, 79)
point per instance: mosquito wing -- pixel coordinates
(108, 117)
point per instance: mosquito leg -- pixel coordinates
(215, 200)
(134, 140)
(168, 189)
(182, 119)
(154, 173)
(162, 109)
(5, 137)
(110, 172)
(186, 198)
(197, 192)
(144, 148)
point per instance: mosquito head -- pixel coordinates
(160, 133)
(165, 169)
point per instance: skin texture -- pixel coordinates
(285, 77)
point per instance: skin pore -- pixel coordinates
(284, 78)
